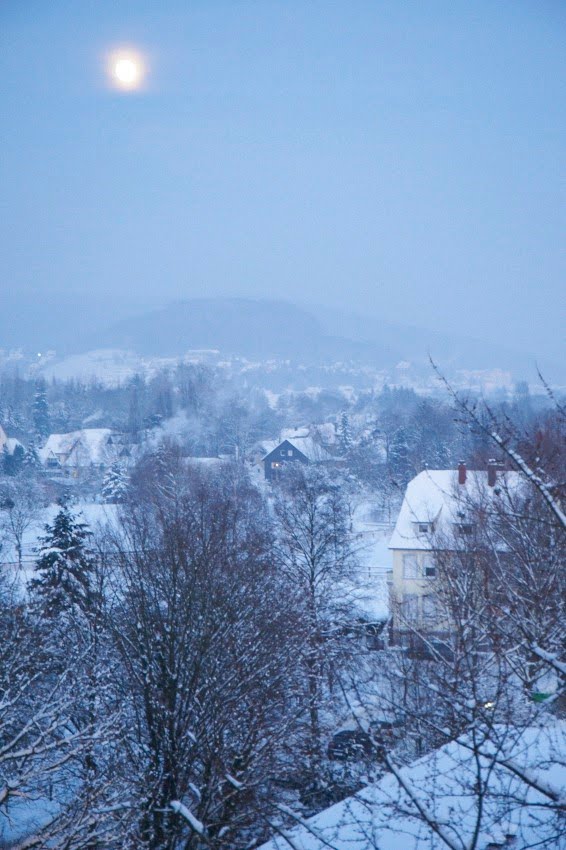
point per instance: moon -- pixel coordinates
(126, 70)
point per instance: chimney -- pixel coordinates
(461, 472)
(491, 472)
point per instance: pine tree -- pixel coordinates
(115, 484)
(31, 462)
(64, 567)
(40, 409)
(12, 461)
(345, 433)
(398, 457)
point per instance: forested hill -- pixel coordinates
(258, 329)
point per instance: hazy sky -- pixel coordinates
(397, 158)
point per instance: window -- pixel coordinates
(423, 527)
(275, 464)
(411, 566)
(429, 568)
(465, 528)
(430, 607)
(282, 452)
(410, 607)
(290, 452)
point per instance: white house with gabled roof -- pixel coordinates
(437, 513)
(89, 448)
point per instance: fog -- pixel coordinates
(396, 160)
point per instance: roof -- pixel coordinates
(434, 496)
(306, 445)
(85, 447)
(11, 444)
(443, 782)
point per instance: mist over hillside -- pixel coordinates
(256, 329)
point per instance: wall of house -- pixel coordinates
(285, 453)
(409, 587)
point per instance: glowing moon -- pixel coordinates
(126, 70)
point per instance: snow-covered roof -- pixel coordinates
(11, 444)
(294, 433)
(444, 783)
(267, 446)
(79, 448)
(435, 497)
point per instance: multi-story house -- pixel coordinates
(440, 513)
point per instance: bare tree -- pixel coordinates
(21, 504)
(317, 555)
(206, 629)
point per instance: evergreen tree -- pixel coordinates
(31, 461)
(65, 566)
(40, 409)
(115, 484)
(398, 457)
(345, 433)
(135, 415)
(12, 461)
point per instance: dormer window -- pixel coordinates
(424, 527)
(464, 528)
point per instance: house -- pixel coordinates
(10, 448)
(434, 803)
(298, 449)
(74, 453)
(8, 444)
(437, 513)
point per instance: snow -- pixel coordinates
(11, 444)
(371, 537)
(112, 366)
(94, 514)
(389, 813)
(434, 496)
(185, 813)
(86, 447)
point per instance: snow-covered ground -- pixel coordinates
(95, 516)
(371, 540)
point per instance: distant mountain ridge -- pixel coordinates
(265, 329)
(257, 329)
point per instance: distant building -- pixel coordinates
(8, 444)
(436, 516)
(78, 451)
(300, 449)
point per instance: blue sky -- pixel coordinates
(404, 159)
